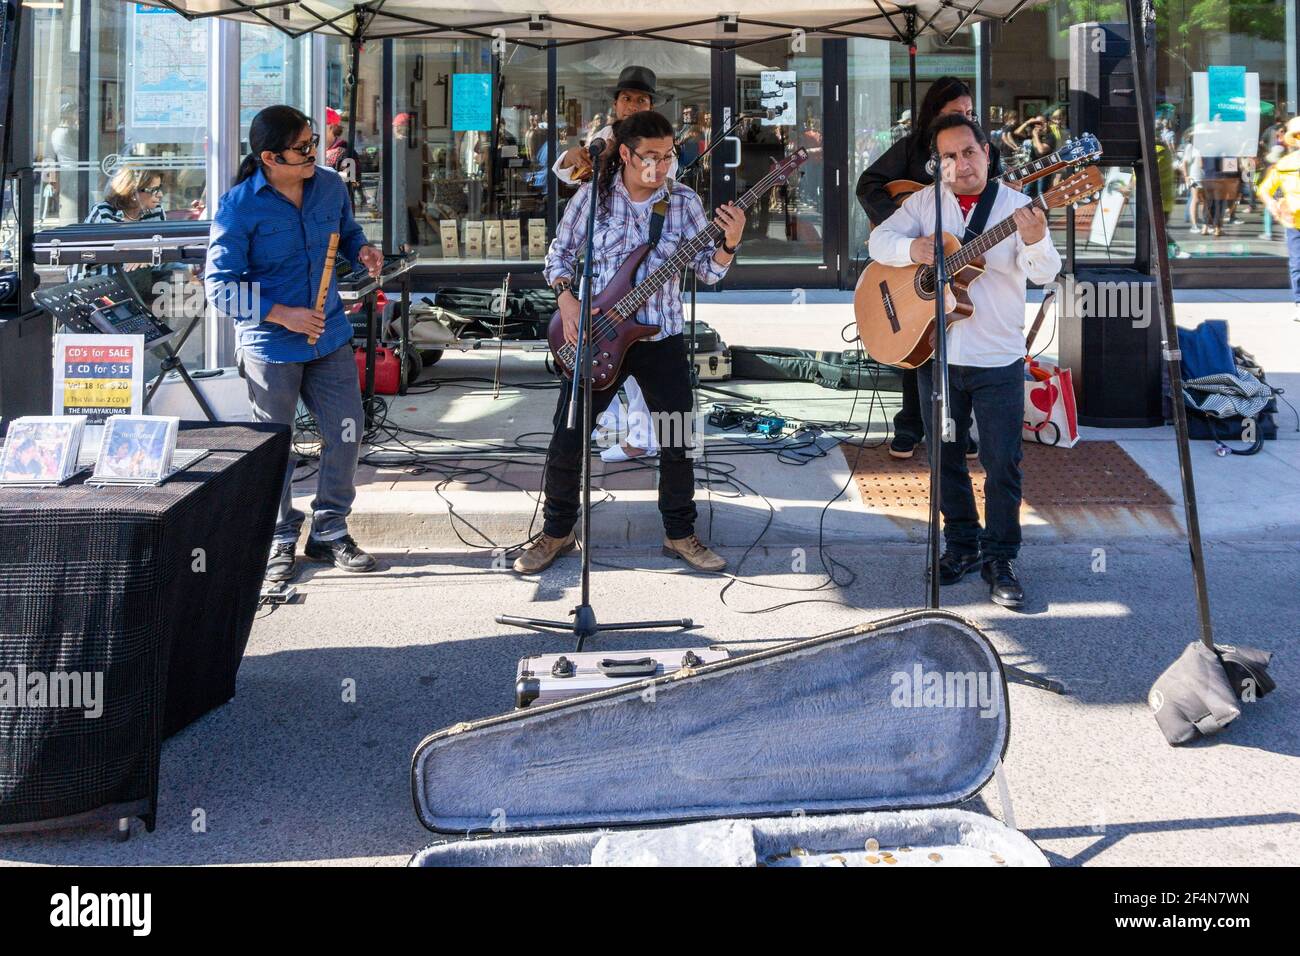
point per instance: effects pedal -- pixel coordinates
(767, 425)
(725, 416)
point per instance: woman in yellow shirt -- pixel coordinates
(1284, 176)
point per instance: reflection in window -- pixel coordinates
(469, 151)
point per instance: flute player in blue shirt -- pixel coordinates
(266, 255)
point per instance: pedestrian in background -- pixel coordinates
(1284, 177)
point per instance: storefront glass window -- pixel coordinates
(879, 104)
(469, 161)
(273, 70)
(368, 148)
(1223, 91)
(786, 224)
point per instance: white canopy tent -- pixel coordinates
(535, 22)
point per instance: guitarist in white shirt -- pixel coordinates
(985, 352)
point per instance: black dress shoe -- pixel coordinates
(280, 566)
(342, 553)
(902, 446)
(1004, 586)
(953, 566)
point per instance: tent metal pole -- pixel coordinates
(352, 115)
(1138, 16)
(910, 24)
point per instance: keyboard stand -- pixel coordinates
(172, 362)
(169, 353)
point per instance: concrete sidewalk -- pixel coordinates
(743, 493)
(291, 771)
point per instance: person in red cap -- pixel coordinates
(336, 146)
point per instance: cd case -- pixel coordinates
(41, 451)
(140, 450)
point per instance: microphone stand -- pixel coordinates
(944, 428)
(939, 418)
(584, 623)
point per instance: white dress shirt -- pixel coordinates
(995, 335)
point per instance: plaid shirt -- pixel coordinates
(622, 230)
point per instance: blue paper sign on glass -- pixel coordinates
(1227, 92)
(471, 101)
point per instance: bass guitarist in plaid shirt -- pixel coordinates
(630, 184)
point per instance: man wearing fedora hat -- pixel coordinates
(1284, 177)
(635, 91)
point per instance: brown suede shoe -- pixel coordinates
(543, 553)
(693, 552)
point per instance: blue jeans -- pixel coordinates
(328, 387)
(1293, 254)
(997, 397)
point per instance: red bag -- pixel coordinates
(1050, 416)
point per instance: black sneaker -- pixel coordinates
(953, 566)
(902, 446)
(972, 448)
(1004, 586)
(280, 566)
(342, 553)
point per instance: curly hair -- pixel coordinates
(629, 132)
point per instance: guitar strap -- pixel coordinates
(657, 213)
(980, 217)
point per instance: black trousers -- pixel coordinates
(997, 398)
(661, 370)
(909, 422)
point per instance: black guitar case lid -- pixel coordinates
(907, 713)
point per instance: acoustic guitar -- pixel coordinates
(613, 331)
(894, 305)
(1075, 152)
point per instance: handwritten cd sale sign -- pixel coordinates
(98, 376)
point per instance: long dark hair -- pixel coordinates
(629, 132)
(942, 92)
(274, 128)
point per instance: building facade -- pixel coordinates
(452, 141)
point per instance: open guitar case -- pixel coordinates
(797, 755)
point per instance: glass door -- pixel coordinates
(779, 95)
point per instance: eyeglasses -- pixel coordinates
(307, 148)
(656, 160)
(153, 190)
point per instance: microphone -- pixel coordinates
(281, 161)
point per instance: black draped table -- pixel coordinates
(155, 589)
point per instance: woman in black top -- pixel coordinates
(907, 159)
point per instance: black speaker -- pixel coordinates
(1103, 98)
(1110, 335)
(26, 372)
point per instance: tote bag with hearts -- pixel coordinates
(1050, 417)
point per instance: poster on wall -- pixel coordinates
(1225, 113)
(471, 102)
(777, 91)
(262, 74)
(167, 77)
